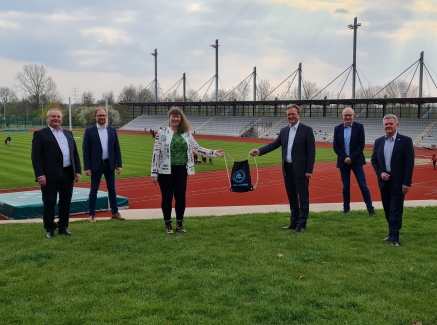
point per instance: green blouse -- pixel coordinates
(178, 150)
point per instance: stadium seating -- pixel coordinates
(422, 131)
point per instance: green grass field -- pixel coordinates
(16, 167)
(225, 270)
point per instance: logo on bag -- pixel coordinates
(239, 176)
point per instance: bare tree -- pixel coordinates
(292, 94)
(172, 96)
(366, 92)
(131, 94)
(244, 90)
(309, 90)
(263, 90)
(128, 94)
(144, 95)
(221, 94)
(401, 89)
(241, 92)
(40, 87)
(87, 98)
(230, 95)
(192, 95)
(6, 95)
(107, 96)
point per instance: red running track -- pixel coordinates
(209, 189)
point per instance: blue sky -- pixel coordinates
(104, 45)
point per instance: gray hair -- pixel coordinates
(353, 112)
(390, 116)
(53, 109)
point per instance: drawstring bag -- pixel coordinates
(240, 180)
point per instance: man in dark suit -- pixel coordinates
(102, 156)
(298, 157)
(393, 162)
(56, 165)
(349, 141)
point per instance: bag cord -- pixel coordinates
(227, 169)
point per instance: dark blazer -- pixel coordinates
(92, 149)
(402, 161)
(358, 141)
(303, 153)
(47, 158)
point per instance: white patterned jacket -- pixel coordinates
(161, 161)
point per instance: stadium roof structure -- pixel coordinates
(319, 102)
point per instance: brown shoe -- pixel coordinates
(117, 216)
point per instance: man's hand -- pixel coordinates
(308, 175)
(88, 172)
(348, 160)
(385, 177)
(254, 152)
(155, 180)
(405, 189)
(77, 178)
(42, 181)
(118, 170)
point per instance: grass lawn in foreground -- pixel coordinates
(225, 270)
(16, 166)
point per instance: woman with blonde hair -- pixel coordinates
(172, 162)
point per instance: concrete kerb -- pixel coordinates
(144, 214)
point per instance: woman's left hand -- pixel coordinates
(220, 153)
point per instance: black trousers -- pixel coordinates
(298, 196)
(393, 204)
(173, 185)
(49, 196)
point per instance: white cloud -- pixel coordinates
(341, 11)
(63, 16)
(105, 47)
(8, 25)
(106, 34)
(198, 7)
(127, 17)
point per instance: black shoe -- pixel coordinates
(180, 230)
(65, 232)
(372, 213)
(345, 212)
(386, 238)
(395, 243)
(299, 229)
(168, 229)
(290, 227)
(50, 234)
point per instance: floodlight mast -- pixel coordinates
(155, 54)
(299, 82)
(354, 64)
(216, 46)
(419, 106)
(421, 75)
(254, 84)
(184, 80)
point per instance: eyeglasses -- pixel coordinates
(101, 115)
